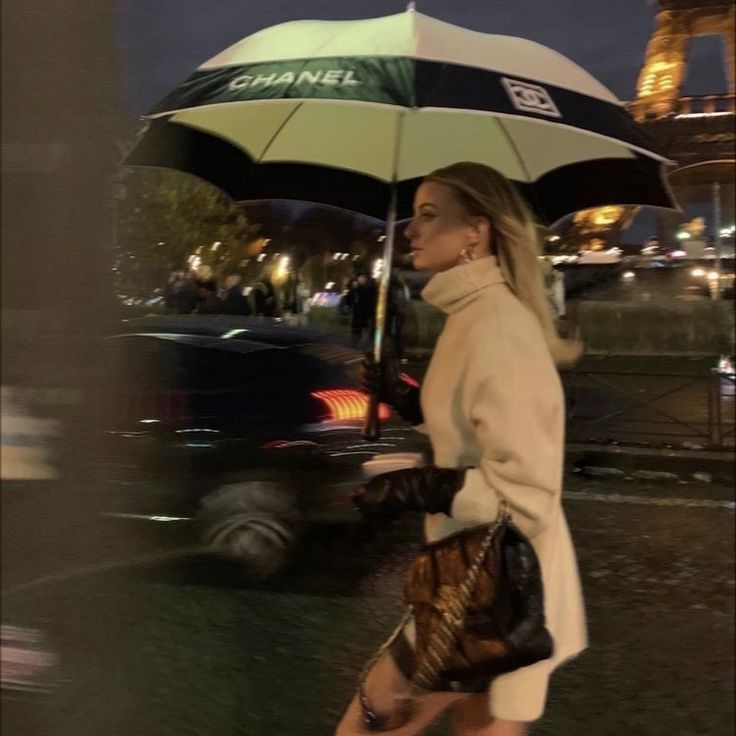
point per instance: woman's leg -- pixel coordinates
(471, 717)
(383, 685)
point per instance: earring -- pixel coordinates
(467, 255)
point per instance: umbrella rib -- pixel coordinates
(532, 194)
(510, 141)
(278, 131)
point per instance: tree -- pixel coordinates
(168, 217)
(319, 232)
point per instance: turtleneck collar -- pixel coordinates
(452, 289)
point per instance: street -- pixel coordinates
(187, 646)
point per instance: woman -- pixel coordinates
(493, 408)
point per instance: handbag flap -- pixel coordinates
(443, 565)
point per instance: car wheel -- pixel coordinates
(254, 522)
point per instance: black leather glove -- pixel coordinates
(428, 489)
(385, 381)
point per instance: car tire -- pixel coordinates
(254, 522)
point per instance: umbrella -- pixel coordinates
(354, 113)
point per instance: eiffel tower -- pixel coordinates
(697, 133)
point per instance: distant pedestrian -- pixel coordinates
(233, 299)
(361, 303)
(181, 295)
(174, 282)
(209, 302)
(265, 299)
(557, 293)
(303, 301)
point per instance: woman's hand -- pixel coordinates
(384, 380)
(429, 489)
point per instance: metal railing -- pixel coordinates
(692, 410)
(706, 104)
(692, 105)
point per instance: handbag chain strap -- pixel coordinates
(455, 612)
(453, 622)
(370, 717)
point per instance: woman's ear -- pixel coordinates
(480, 229)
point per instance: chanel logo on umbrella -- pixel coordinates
(530, 97)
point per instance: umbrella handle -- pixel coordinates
(372, 426)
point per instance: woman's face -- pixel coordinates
(441, 229)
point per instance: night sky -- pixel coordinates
(163, 41)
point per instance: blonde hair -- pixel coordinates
(484, 192)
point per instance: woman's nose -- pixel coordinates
(409, 230)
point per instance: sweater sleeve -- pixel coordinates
(514, 401)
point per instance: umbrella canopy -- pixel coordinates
(344, 112)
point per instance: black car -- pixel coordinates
(246, 427)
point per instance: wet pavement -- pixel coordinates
(186, 645)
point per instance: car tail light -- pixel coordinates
(340, 404)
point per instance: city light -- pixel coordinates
(628, 275)
(712, 276)
(261, 258)
(377, 268)
(682, 116)
(682, 235)
(283, 268)
(216, 245)
(195, 261)
(726, 365)
(697, 273)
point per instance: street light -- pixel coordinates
(283, 267)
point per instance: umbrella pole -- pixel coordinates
(372, 427)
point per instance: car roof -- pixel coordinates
(200, 341)
(262, 330)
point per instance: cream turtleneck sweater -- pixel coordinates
(492, 402)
